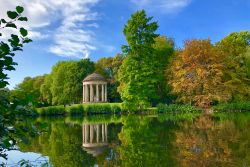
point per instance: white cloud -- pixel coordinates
(94, 25)
(37, 35)
(72, 43)
(35, 11)
(164, 6)
(69, 22)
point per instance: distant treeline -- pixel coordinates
(64, 84)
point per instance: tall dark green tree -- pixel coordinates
(138, 74)
(164, 51)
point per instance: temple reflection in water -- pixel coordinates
(95, 138)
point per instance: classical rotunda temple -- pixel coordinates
(94, 89)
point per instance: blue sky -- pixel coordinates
(74, 29)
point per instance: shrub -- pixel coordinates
(175, 108)
(75, 110)
(82, 109)
(161, 107)
(116, 108)
(51, 110)
(233, 107)
(95, 108)
(98, 108)
(26, 111)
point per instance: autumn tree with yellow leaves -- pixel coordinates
(196, 74)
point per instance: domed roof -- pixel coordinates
(94, 77)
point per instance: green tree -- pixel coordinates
(67, 76)
(247, 61)
(29, 91)
(138, 73)
(164, 52)
(235, 49)
(45, 89)
(108, 67)
(104, 67)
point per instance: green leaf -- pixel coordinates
(24, 162)
(4, 48)
(8, 61)
(11, 54)
(27, 40)
(23, 19)
(3, 21)
(3, 83)
(12, 14)
(17, 48)
(12, 25)
(6, 142)
(10, 68)
(19, 9)
(14, 37)
(14, 40)
(23, 32)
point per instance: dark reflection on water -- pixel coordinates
(148, 141)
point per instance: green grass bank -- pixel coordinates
(81, 109)
(116, 108)
(176, 108)
(233, 107)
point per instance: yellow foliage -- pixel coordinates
(196, 74)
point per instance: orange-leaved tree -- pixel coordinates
(196, 74)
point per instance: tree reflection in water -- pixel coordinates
(205, 141)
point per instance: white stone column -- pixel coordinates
(106, 133)
(97, 133)
(87, 93)
(83, 93)
(103, 133)
(106, 93)
(103, 93)
(83, 133)
(91, 133)
(91, 93)
(97, 93)
(86, 133)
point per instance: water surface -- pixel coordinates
(147, 141)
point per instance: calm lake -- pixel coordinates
(222, 140)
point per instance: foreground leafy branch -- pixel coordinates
(12, 127)
(13, 44)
